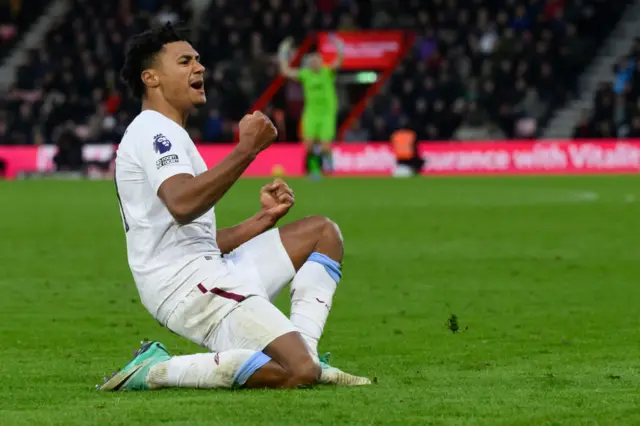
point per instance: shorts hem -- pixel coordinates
(285, 255)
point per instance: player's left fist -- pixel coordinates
(276, 198)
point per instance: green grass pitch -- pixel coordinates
(543, 275)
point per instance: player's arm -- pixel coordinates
(283, 58)
(276, 199)
(229, 239)
(187, 196)
(337, 41)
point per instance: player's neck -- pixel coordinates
(166, 109)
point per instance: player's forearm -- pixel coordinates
(198, 195)
(229, 239)
(283, 59)
(284, 68)
(287, 71)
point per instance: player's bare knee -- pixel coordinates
(326, 236)
(325, 227)
(332, 235)
(315, 223)
(332, 230)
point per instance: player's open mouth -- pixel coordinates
(198, 85)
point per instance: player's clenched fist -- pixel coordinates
(276, 199)
(257, 132)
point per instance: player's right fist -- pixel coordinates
(257, 132)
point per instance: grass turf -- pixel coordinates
(542, 274)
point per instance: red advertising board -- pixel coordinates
(18, 159)
(288, 159)
(363, 50)
(538, 158)
(558, 157)
(482, 158)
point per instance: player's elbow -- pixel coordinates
(181, 212)
(289, 73)
(182, 220)
(176, 194)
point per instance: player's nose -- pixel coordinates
(199, 68)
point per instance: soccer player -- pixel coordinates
(215, 286)
(320, 103)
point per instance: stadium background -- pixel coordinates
(494, 301)
(448, 71)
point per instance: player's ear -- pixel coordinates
(150, 78)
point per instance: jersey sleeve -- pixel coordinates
(163, 153)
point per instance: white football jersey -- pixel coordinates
(161, 252)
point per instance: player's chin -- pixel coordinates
(198, 99)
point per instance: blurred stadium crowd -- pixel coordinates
(616, 107)
(479, 69)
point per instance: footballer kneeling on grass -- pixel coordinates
(213, 286)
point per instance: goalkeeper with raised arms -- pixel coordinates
(320, 103)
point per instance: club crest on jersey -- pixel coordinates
(161, 144)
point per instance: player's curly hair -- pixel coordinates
(142, 50)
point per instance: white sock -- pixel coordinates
(206, 370)
(312, 292)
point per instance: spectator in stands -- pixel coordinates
(603, 108)
(605, 130)
(21, 129)
(356, 133)
(477, 126)
(584, 128)
(3, 126)
(69, 155)
(380, 130)
(623, 70)
(213, 128)
(621, 113)
(634, 131)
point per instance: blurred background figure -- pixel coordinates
(69, 155)
(408, 160)
(318, 126)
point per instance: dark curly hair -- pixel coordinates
(142, 50)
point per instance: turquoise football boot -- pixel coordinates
(133, 376)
